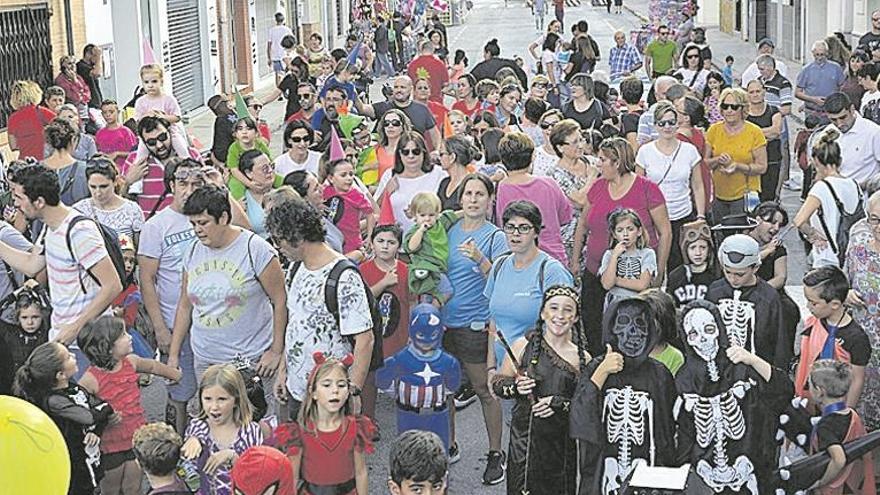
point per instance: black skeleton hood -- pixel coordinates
(635, 316)
(699, 375)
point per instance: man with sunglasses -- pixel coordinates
(305, 95)
(402, 98)
(660, 54)
(156, 135)
(750, 307)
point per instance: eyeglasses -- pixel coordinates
(873, 221)
(305, 96)
(352, 157)
(730, 106)
(392, 123)
(267, 168)
(160, 138)
(522, 228)
(667, 123)
(548, 125)
(411, 151)
(299, 139)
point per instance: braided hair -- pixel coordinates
(578, 337)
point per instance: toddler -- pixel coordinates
(346, 204)
(428, 247)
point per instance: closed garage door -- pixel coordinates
(185, 46)
(265, 13)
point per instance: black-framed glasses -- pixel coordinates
(523, 228)
(185, 173)
(548, 125)
(299, 139)
(667, 123)
(730, 106)
(352, 157)
(412, 151)
(160, 138)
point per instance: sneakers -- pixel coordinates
(496, 467)
(454, 453)
(464, 397)
(792, 184)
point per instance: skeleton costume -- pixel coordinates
(722, 409)
(629, 421)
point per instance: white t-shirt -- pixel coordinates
(127, 219)
(698, 78)
(408, 188)
(167, 237)
(672, 174)
(860, 150)
(311, 327)
(284, 164)
(276, 34)
(848, 193)
(543, 163)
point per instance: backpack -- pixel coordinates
(840, 241)
(503, 258)
(331, 302)
(111, 243)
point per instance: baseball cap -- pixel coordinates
(766, 41)
(262, 467)
(739, 251)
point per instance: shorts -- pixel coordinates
(185, 389)
(115, 459)
(469, 346)
(277, 66)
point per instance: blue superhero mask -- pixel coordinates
(425, 330)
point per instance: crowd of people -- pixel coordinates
(598, 260)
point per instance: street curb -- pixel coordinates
(645, 19)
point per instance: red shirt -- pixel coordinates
(372, 275)
(26, 125)
(433, 70)
(439, 111)
(462, 107)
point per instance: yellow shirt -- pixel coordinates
(731, 187)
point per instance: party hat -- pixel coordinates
(348, 123)
(241, 108)
(353, 54)
(336, 151)
(447, 127)
(147, 55)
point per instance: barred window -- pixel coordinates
(25, 51)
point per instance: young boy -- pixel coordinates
(418, 464)
(690, 281)
(727, 71)
(428, 247)
(830, 384)
(262, 470)
(749, 306)
(830, 332)
(114, 140)
(157, 449)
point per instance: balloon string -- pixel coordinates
(35, 435)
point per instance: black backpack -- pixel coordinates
(111, 243)
(840, 241)
(331, 302)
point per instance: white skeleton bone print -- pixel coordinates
(739, 317)
(718, 419)
(624, 412)
(629, 267)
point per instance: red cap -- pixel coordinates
(262, 467)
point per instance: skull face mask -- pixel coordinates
(630, 327)
(701, 332)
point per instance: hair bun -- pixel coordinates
(828, 136)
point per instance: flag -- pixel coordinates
(348, 123)
(386, 213)
(352, 58)
(241, 108)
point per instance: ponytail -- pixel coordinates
(37, 376)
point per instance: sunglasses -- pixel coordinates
(522, 228)
(547, 125)
(298, 139)
(160, 138)
(413, 152)
(193, 173)
(540, 85)
(305, 96)
(667, 123)
(392, 123)
(694, 55)
(730, 106)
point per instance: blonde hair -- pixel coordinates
(740, 97)
(308, 413)
(620, 151)
(157, 68)
(425, 202)
(825, 148)
(24, 93)
(229, 379)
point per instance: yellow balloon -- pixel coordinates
(33, 455)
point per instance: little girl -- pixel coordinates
(32, 313)
(489, 93)
(157, 104)
(113, 377)
(327, 442)
(45, 380)
(246, 138)
(712, 96)
(691, 280)
(223, 429)
(626, 268)
(346, 204)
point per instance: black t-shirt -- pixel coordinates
(84, 69)
(870, 41)
(630, 122)
(224, 127)
(289, 87)
(765, 120)
(592, 118)
(451, 201)
(685, 286)
(853, 339)
(767, 269)
(420, 117)
(832, 429)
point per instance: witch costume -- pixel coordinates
(726, 413)
(629, 420)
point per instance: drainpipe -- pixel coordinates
(68, 22)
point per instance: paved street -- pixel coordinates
(514, 28)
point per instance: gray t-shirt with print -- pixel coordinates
(15, 239)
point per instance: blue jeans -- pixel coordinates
(383, 65)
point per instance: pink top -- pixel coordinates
(154, 184)
(355, 205)
(76, 90)
(165, 103)
(554, 206)
(120, 390)
(642, 197)
(116, 140)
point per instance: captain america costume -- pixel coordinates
(421, 376)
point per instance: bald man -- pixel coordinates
(420, 116)
(624, 59)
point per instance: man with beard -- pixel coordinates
(402, 98)
(155, 134)
(306, 95)
(622, 407)
(727, 404)
(328, 115)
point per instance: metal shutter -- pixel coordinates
(25, 51)
(265, 20)
(185, 45)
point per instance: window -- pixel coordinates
(25, 51)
